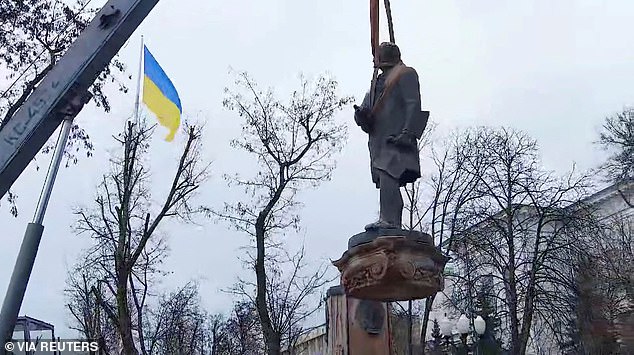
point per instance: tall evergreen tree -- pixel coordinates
(435, 331)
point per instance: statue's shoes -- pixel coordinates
(380, 224)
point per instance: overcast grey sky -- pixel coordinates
(553, 69)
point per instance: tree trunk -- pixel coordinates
(529, 300)
(526, 325)
(125, 321)
(273, 346)
(511, 294)
(511, 282)
(429, 302)
(271, 340)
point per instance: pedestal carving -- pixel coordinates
(392, 267)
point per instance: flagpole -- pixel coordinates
(138, 85)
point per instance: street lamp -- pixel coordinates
(463, 328)
(463, 324)
(480, 325)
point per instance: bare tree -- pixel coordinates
(124, 225)
(506, 223)
(179, 325)
(416, 212)
(609, 285)
(521, 230)
(293, 294)
(220, 336)
(617, 137)
(244, 330)
(88, 318)
(400, 329)
(415, 207)
(613, 251)
(34, 34)
(437, 202)
(590, 328)
(294, 144)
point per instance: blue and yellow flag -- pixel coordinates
(160, 95)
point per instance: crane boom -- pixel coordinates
(35, 121)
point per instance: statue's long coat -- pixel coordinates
(395, 109)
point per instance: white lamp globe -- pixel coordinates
(480, 325)
(463, 324)
(446, 326)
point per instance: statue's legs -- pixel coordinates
(391, 203)
(391, 200)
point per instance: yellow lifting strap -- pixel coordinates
(374, 38)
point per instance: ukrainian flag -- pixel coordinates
(160, 95)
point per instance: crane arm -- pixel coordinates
(35, 121)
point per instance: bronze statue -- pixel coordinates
(394, 122)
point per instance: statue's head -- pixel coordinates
(389, 55)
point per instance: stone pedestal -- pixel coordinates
(355, 326)
(391, 265)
